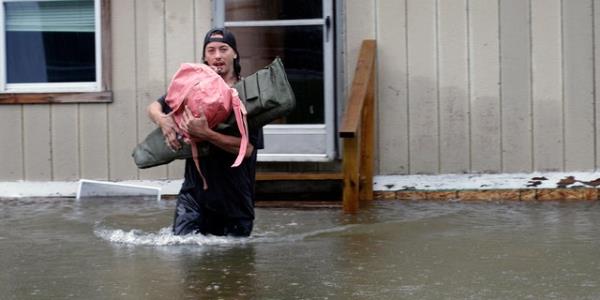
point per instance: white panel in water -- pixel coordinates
(93, 188)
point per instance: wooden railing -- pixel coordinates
(357, 131)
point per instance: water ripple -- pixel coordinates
(165, 237)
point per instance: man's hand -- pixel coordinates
(166, 123)
(196, 127)
(169, 130)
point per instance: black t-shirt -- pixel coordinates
(230, 190)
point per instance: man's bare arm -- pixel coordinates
(166, 124)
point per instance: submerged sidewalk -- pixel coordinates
(551, 186)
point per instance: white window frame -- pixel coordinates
(52, 87)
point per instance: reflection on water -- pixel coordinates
(123, 248)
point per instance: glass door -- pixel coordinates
(301, 33)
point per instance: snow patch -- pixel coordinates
(483, 181)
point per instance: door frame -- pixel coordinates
(301, 142)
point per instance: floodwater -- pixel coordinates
(123, 249)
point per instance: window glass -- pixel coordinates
(301, 50)
(50, 41)
(253, 10)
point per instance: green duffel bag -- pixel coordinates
(267, 96)
(153, 151)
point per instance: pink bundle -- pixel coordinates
(198, 86)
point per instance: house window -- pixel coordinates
(52, 51)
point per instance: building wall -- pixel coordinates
(463, 86)
(150, 38)
(486, 85)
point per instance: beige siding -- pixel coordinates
(596, 16)
(179, 31)
(463, 86)
(578, 82)
(123, 112)
(150, 67)
(422, 88)
(65, 141)
(36, 142)
(358, 27)
(484, 89)
(392, 121)
(515, 90)
(515, 85)
(71, 141)
(453, 84)
(93, 141)
(11, 142)
(546, 85)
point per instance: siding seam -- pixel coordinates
(79, 148)
(468, 33)
(437, 86)
(135, 81)
(406, 32)
(531, 100)
(500, 86)
(594, 117)
(107, 115)
(23, 169)
(108, 133)
(562, 85)
(50, 116)
(195, 29)
(377, 140)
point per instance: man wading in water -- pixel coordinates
(227, 206)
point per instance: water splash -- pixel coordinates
(165, 237)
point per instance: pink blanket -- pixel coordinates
(199, 86)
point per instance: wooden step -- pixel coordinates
(298, 204)
(282, 176)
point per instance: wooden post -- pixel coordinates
(358, 132)
(351, 175)
(367, 137)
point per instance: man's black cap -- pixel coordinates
(229, 39)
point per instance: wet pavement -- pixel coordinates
(60, 248)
